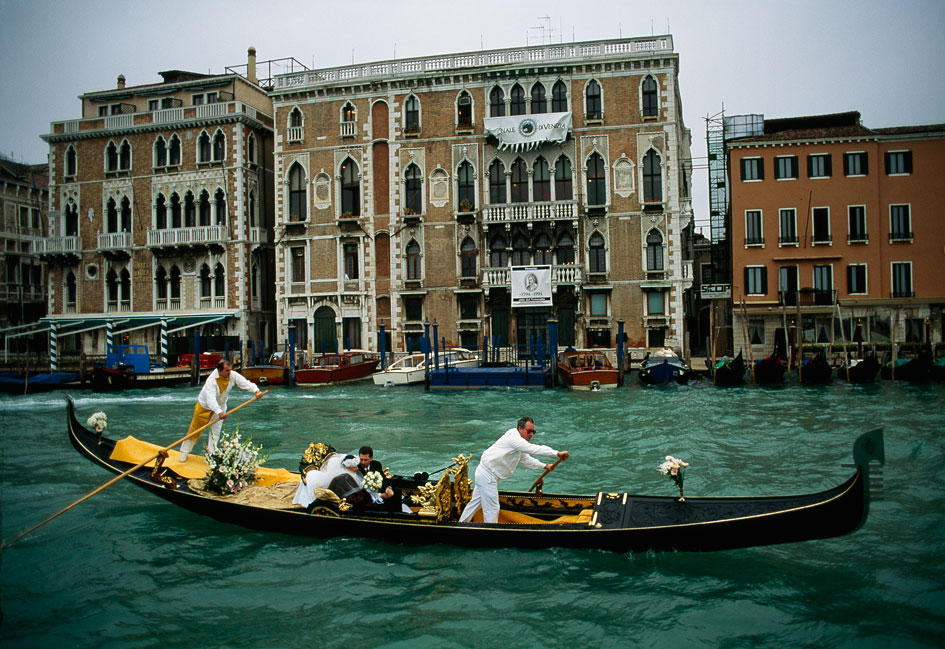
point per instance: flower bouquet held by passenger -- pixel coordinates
(232, 464)
(675, 470)
(98, 421)
(373, 481)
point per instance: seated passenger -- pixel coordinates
(348, 485)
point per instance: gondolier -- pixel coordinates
(499, 462)
(212, 401)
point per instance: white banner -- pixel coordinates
(526, 132)
(531, 286)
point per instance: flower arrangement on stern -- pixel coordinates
(233, 465)
(98, 421)
(675, 470)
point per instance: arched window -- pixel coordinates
(297, 205)
(497, 182)
(174, 157)
(597, 257)
(467, 252)
(175, 211)
(565, 251)
(252, 209)
(190, 211)
(111, 216)
(539, 102)
(160, 212)
(175, 285)
(72, 220)
(71, 291)
(219, 202)
(541, 180)
(654, 250)
(125, 215)
(464, 110)
(251, 149)
(160, 287)
(559, 98)
(350, 189)
(497, 102)
(219, 281)
(412, 115)
(542, 249)
(650, 97)
(652, 177)
(205, 283)
(71, 163)
(517, 100)
(520, 255)
(498, 252)
(295, 118)
(596, 186)
(111, 157)
(563, 187)
(203, 148)
(348, 114)
(254, 282)
(519, 182)
(160, 152)
(111, 290)
(219, 146)
(124, 296)
(413, 260)
(413, 190)
(465, 187)
(124, 156)
(593, 109)
(204, 208)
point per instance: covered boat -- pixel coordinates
(815, 370)
(728, 371)
(610, 520)
(28, 383)
(664, 366)
(769, 370)
(129, 366)
(342, 367)
(916, 370)
(860, 371)
(412, 369)
(586, 369)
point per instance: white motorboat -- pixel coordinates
(411, 369)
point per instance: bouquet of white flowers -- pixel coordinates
(98, 421)
(675, 470)
(233, 466)
(373, 481)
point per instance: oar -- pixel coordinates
(126, 473)
(540, 481)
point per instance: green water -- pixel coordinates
(126, 569)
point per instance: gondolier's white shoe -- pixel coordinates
(185, 449)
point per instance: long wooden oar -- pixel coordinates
(128, 472)
(541, 480)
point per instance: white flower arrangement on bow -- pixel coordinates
(233, 466)
(98, 421)
(675, 470)
(373, 481)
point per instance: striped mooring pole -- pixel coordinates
(164, 341)
(53, 348)
(109, 327)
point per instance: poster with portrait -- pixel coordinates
(531, 286)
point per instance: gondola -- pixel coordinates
(608, 520)
(938, 369)
(769, 370)
(815, 370)
(915, 370)
(861, 371)
(728, 371)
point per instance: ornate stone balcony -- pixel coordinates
(204, 235)
(523, 212)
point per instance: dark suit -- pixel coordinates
(391, 504)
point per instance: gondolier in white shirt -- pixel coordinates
(212, 402)
(499, 462)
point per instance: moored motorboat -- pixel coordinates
(31, 382)
(326, 369)
(664, 366)
(586, 369)
(411, 369)
(728, 371)
(130, 367)
(860, 370)
(769, 370)
(275, 372)
(610, 520)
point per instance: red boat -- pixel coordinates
(338, 368)
(586, 369)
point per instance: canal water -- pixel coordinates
(126, 569)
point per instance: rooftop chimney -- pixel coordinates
(251, 65)
(121, 81)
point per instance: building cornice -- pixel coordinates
(194, 123)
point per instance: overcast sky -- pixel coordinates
(885, 59)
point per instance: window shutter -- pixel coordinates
(747, 274)
(744, 166)
(907, 159)
(888, 162)
(827, 170)
(864, 166)
(810, 166)
(764, 281)
(761, 168)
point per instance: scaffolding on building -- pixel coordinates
(718, 198)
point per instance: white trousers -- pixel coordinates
(485, 496)
(212, 438)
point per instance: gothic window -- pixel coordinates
(520, 254)
(519, 182)
(219, 202)
(497, 102)
(597, 256)
(204, 208)
(219, 281)
(541, 180)
(652, 177)
(539, 101)
(593, 108)
(174, 157)
(465, 188)
(297, 206)
(111, 157)
(464, 110)
(190, 211)
(559, 98)
(350, 189)
(72, 220)
(124, 156)
(543, 249)
(71, 163)
(175, 211)
(517, 100)
(413, 260)
(565, 251)
(497, 182)
(111, 216)
(413, 190)
(596, 185)
(203, 147)
(651, 97)
(467, 251)
(654, 250)
(251, 149)
(219, 146)
(160, 152)
(160, 285)
(412, 115)
(125, 215)
(563, 187)
(498, 252)
(205, 283)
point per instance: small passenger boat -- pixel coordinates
(769, 370)
(860, 371)
(411, 369)
(129, 367)
(586, 369)
(664, 366)
(20, 383)
(729, 371)
(938, 369)
(275, 371)
(610, 520)
(916, 370)
(815, 370)
(342, 367)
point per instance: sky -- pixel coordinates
(780, 59)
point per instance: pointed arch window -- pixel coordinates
(294, 133)
(413, 260)
(252, 209)
(413, 190)
(160, 287)
(111, 216)
(519, 182)
(71, 162)
(465, 187)
(125, 215)
(219, 281)
(124, 286)
(541, 180)
(204, 208)
(597, 256)
(652, 177)
(174, 152)
(467, 253)
(348, 114)
(175, 286)
(175, 211)
(297, 204)
(254, 282)
(654, 250)
(497, 102)
(464, 110)
(497, 183)
(71, 293)
(111, 157)
(650, 97)
(204, 150)
(219, 203)
(251, 149)
(72, 220)
(160, 152)
(559, 97)
(596, 186)
(124, 156)
(111, 290)
(206, 285)
(539, 100)
(593, 107)
(563, 185)
(517, 100)
(520, 254)
(412, 115)
(498, 252)
(350, 188)
(543, 249)
(190, 210)
(219, 146)
(565, 250)
(160, 212)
